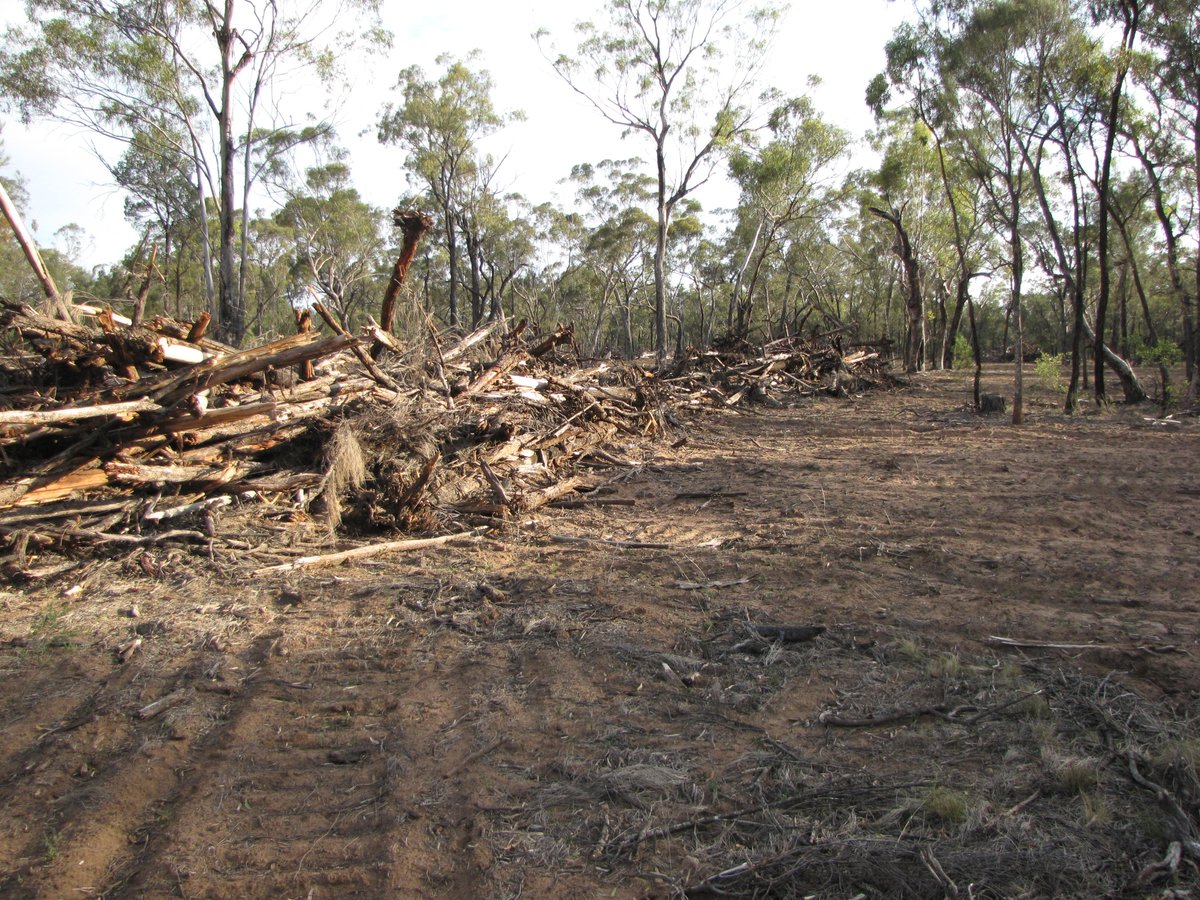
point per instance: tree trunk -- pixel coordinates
(210, 292)
(1018, 272)
(1164, 373)
(473, 261)
(912, 279)
(1194, 345)
(627, 326)
(962, 293)
(232, 315)
(660, 257)
(975, 351)
(244, 250)
(1171, 241)
(452, 253)
(33, 257)
(1130, 12)
(1134, 393)
(734, 301)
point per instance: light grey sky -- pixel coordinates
(840, 42)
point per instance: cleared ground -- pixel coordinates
(578, 706)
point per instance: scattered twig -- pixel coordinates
(625, 545)
(150, 710)
(474, 757)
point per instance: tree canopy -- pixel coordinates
(1034, 169)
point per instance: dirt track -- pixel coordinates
(549, 715)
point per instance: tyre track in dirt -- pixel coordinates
(100, 771)
(297, 763)
(346, 766)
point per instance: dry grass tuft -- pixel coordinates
(345, 470)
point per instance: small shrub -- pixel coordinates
(1049, 368)
(911, 651)
(964, 356)
(946, 805)
(1010, 674)
(1164, 353)
(1182, 754)
(1035, 707)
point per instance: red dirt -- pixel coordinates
(496, 720)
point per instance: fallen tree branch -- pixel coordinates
(373, 550)
(74, 413)
(102, 537)
(941, 710)
(626, 545)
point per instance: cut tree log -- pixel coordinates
(281, 354)
(363, 356)
(75, 413)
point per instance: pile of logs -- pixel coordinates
(133, 435)
(128, 432)
(735, 372)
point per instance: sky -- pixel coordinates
(841, 43)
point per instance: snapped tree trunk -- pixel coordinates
(412, 224)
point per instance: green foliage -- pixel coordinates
(1164, 353)
(440, 125)
(333, 244)
(655, 70)
(965, 87)
(1049, 369)
(964, 356)
(185, 85)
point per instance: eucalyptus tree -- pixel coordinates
(1073, 80)
(994, 64)
(658, 68)
(207, 66)
(440, 123)
(161, 200)
(915, 56)
(1173, 31)
(500, 239)
(1164, 164)
(616, 251)
(1135, 222)
(791, 177)
(275, 285)
(336, 247)
(906, 193)
(1129, 12)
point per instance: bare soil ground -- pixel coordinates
(577, 707)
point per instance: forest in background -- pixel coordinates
(1038, 180)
